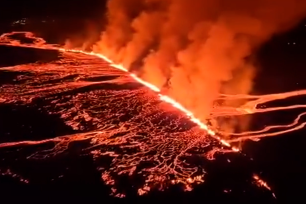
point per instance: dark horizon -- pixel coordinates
(55, 21)
(13, 9)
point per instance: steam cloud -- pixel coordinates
(195, 49)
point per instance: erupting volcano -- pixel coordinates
(126, 121)
(128, 126)
(163, 102)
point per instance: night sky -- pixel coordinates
(37, 8)
(72, 18)
(282, 59)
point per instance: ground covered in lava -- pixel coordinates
(70, 120)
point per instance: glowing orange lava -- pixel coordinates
(170, 164)
(254, 105)
(162, 97)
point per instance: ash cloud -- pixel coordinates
(197, 49)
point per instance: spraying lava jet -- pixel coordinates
(129, 120)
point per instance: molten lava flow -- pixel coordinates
(261, 182)
(171, 139)
(248, 108)
(162, 97)
(40, 43)
(119, 120)
(255, 104)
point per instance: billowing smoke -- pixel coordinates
(195, 49)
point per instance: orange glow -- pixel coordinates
(251, 106)
(262, 183)
(164, 98)
(40, 43)
(186, 177)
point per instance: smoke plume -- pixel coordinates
(195, 49)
